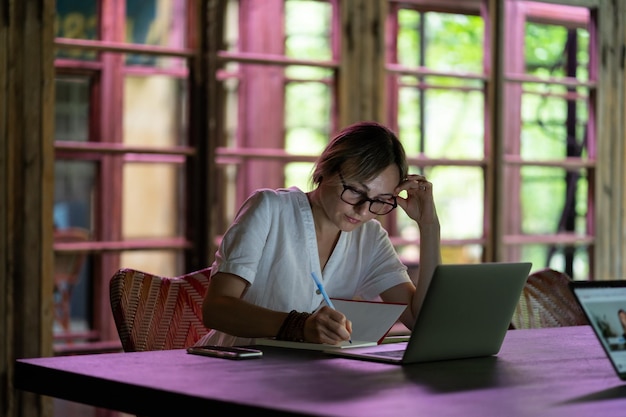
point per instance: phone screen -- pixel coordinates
(225, 352)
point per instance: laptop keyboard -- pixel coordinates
(391, 353)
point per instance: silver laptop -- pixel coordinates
(604, 304)
(466, 313)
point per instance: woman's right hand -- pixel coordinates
(328, 326)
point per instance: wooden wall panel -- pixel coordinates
(7, 404)
(26, 172)
(611, 176)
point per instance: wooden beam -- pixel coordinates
(608, 39)
(362, 69)
(26, 174)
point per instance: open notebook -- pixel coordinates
(371, 321)
(604, 304)
(466, 313)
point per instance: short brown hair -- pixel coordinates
(361, 151)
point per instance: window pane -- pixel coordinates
(231, 26)
(71, 109)
(76, 19)
(409, 45)
(459, 195)
(409, 119)
(542, 58)
(298, 174)
(157, 23)
(553, 200)
(154, 22)
(454, 124)
(166, 263)
(582, 69)
(73, 222)
(547, 48)
(74, 187)
(446, 42)
(306, 104)
(556, 257)
(154, 111)
(308, 140)
(454, 42)
(460, 254)
(546, 133)
(152, 198)
(450, 254)
(307, 29)
(300, 72)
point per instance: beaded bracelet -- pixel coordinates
(292, 328)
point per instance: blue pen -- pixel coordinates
(324, 294)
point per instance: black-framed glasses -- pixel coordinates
(355, 197)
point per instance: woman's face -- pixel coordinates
(348, 217)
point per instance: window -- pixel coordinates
(279, 79)
(123, 148)
(509, 186)
(549, 123)
(517, 194)
(437, 93)
(504, 126)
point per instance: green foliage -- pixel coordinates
(307, 104)
(453, 42)
(538, 255)
(545, 48)
(307, 29)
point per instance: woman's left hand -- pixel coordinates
(419, 203)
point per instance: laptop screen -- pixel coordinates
(604, 304)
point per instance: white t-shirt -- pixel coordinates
(272, 245)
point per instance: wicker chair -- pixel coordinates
(547, 301)
(158, 313)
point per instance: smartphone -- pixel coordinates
(225, 352)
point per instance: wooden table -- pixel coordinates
(560, 372)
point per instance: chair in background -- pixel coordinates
(158, 313)
(547, 301)
(67, 268)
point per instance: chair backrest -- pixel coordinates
(158, 313)
(546, 301)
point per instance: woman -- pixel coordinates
(261, 283)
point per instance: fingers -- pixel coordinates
(414, 183)
(328, 326)
(338, 327)
(418, 203)
(348, 327)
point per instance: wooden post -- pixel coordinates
(26, 194)
(610, 198)
(362, 69)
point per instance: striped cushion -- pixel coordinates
(547, 301)
(158, 313)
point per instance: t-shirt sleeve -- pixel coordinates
(242, 245)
